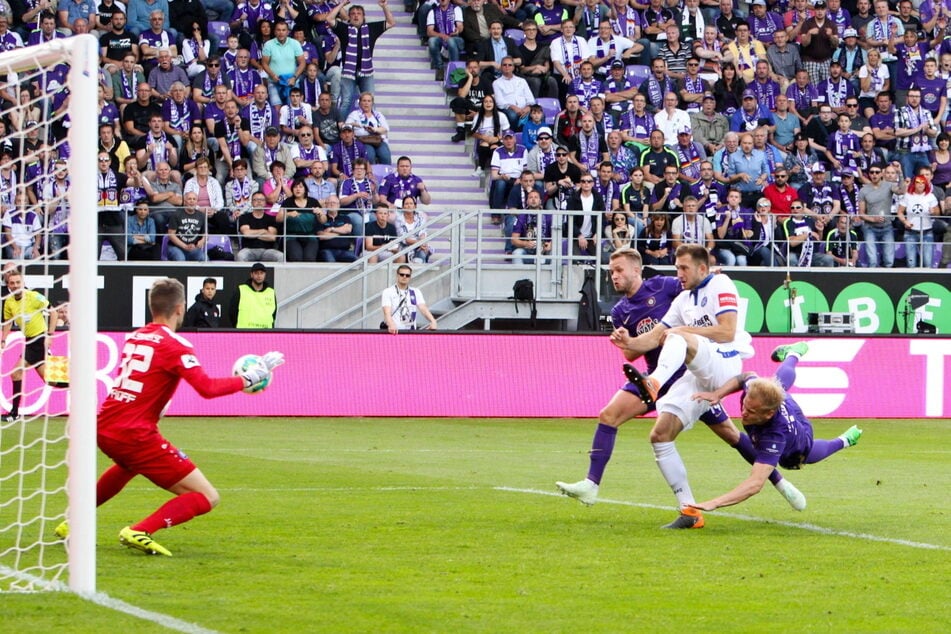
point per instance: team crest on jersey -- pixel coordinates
(190, 361)
(703, 302)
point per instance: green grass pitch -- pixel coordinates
(370, 525)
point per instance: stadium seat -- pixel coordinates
(448, 84)
(551, 107)
(218, 241)
(381, 171)
(164, 251)
(221, 30)
(517, 35)
(637, 74)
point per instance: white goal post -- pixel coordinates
(45, 566)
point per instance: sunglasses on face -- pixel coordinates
(404, 274)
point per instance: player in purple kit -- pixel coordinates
(781, 434)
(642, 305)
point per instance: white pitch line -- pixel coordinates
(750, 518)
(168, 622)
(104, 600)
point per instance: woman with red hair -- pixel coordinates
(915, 212)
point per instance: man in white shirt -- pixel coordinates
(567, 53)
(401, 303)
(512, 94)
(671, 119)
(701, 330)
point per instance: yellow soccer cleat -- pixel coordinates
(140, 540)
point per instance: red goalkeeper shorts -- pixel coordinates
(152, 456)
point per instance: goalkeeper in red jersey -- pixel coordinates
(154, 360)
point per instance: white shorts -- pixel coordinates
(708, 371)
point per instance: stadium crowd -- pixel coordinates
(768, 132)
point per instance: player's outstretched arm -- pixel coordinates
(745, 490)
(733, 385)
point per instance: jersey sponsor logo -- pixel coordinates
(645, 325)
(190, 361)
(727, 299)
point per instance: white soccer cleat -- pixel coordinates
(585, 491)
(793, 495)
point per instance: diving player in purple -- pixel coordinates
(642, 305)
(779, 431)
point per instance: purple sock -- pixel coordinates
(745, 448)
(822, 449)
(601, 449)
(786, 373)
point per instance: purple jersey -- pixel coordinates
(785, 439)
(932, 90)
(644, 310)
(394, 187)
(640, 313)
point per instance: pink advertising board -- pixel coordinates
(543, 376)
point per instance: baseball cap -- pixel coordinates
(847, 172)
(346, 126)
(508, 133)
(271, 131)
(819, 4)
(684, 130)
(758, 2)
(708, 95)
(749, 94)
(818, 168)
(257, 266)
(617, 64)
(850, 32)
(542, 131)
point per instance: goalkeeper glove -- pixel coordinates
(273, 359)
(254, 375)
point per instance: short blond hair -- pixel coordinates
(626, 252)
(767, 392)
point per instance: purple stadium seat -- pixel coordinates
(381, 171)
(638, 74)
(224, 242)
(221, 30)
(448, 84)
(551, 107)
(517, 35)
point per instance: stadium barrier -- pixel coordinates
(520, 376)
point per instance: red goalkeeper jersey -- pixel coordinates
(154, 359)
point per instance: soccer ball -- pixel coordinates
(247, 362)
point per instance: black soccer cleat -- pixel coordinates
(646, 384)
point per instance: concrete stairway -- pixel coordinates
(420, 121)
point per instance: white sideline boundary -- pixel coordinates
(104, 600)
(751, 518)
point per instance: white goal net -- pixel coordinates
(48, 114)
